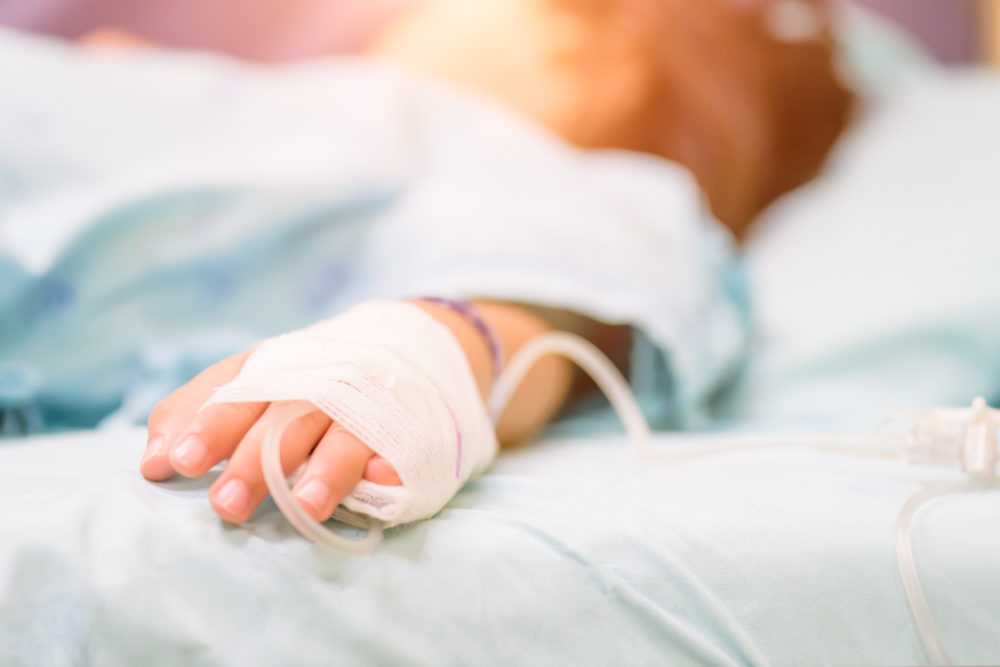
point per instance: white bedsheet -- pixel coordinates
(568, 552)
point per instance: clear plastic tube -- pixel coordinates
(585, 355)
(696, 446)
(274, 477)
(616, 388)
(611, 382)
(929, 634)
(874, 443)
(608, 379)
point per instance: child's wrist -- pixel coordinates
(470, 338)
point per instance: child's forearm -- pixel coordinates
(544, 388)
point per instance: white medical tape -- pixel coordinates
(398, 380)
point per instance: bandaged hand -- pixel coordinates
(402, 424)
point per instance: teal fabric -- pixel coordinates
(568, 552)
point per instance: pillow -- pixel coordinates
(875, 53)
(877, 287)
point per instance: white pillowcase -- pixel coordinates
(877, 287)
(875, 54)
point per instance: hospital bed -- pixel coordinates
(569, 552)
(574, 550)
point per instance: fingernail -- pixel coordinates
(190, 454)
(234, 496)
(153, 447)
(315, 494)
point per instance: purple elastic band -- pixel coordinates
(467, 310)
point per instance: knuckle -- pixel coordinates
(161, 412)
(317, 419)
(226, 416)
(247, 469)
(241, 412)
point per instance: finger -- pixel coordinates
(174, 414)
(241, 487)
(212, 436)
(380, 471)
(334, 469)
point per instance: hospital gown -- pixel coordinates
(159, 211)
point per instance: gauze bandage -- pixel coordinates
(399, 381)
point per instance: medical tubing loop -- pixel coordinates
(611, 382)
(593, 362)
(571, 346)
(580, 351)
(270, 456)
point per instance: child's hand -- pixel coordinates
(185, 441)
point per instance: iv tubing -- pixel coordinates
(270, 455)
(583, 353)
(615, 387)
(929, 634)
(588, 357)
(608, 379)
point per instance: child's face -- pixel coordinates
(702, 82)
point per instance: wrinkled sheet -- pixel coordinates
(572, 551)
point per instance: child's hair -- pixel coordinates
(751, 115)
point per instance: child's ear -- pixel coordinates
(795, 20)
(569, 34)
(113, 38)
